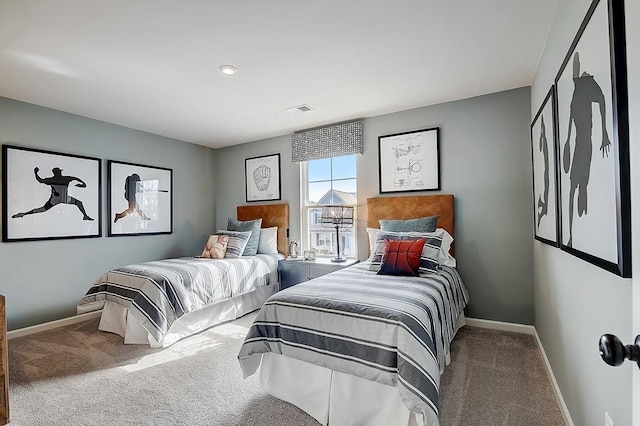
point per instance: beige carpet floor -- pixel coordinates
(497, 378)
(77, 375)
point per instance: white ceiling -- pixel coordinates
(153, 65)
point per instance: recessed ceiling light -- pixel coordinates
(228, 69)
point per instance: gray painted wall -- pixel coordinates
(575, 302)
(485, 162)
(44, 280)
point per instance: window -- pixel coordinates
(327, 181)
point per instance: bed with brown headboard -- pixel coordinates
(441, 205)
(370, 347)
(272, 215)
(160, 302)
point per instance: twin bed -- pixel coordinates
(350, 347)
(158, 303)
(357, 348)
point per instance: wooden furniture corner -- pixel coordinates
(4, 392)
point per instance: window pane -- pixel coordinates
(344, 167)
(323, 241)
(318, 190)
(320, 169)
(317, 233)
(349, 186)
(347, 242)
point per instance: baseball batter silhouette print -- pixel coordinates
(59, 184)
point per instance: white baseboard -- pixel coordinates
(527, 329)
(502, 326)
(52, 324)
(556, 388)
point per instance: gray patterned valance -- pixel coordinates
(325, 142)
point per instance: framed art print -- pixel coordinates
(543, 156)
(49, 195)
(262, 178)
(409, 161)
(140, 199)
(593, 139)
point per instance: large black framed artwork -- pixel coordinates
(262, 178)
(543, 156)
(409, 161)
(140, 199)
(49, 195)
(593, 138)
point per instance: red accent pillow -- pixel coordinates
(401, 257)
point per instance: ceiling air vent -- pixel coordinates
(299, 108)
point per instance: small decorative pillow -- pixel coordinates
(422, 224)
(237, 243)
(401, 257)
(216, 247)
(268, 243)
(444, 257)
(251, 249)
(429, 258)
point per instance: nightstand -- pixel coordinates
(293, 272)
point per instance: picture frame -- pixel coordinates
(545, 174)
(592, 114)
(262, 178)
(49, 195)
(409, 161)
(140, 199)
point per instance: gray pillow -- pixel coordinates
(251, 249)
(422, 224)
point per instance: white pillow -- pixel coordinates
(268, 243)
(373, 236)
(444, 258)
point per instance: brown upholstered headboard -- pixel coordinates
(272, 215)
(411, 208)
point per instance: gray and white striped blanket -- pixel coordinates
(389, 329)
(157, 293)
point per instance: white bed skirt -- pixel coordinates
(335, 398)
(117, 319)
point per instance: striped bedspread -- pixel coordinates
(157, 293)
(389, 329)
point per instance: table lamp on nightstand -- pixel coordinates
(339, 217)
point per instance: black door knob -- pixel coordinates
(613, 352)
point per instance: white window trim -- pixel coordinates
(304, 214)
(304, 196)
